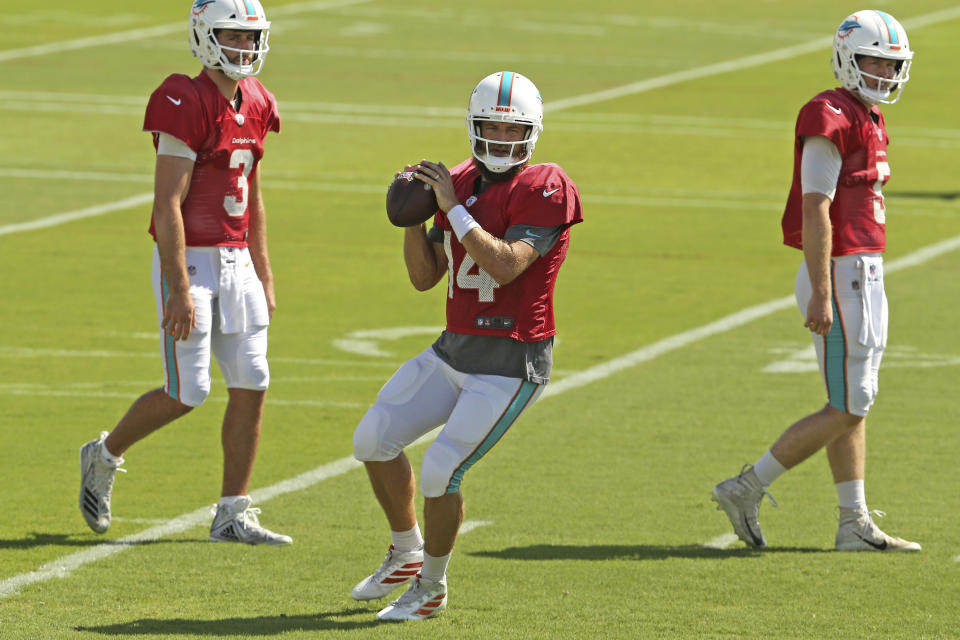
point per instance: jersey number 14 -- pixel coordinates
(480, 281)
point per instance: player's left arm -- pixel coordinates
(257, 240)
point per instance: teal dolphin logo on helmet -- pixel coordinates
(847, 28)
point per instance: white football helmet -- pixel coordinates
(504, 96)
(206, 16)
(877, 34)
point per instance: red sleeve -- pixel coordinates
(272, 118)
(820, 117)
(268, 112)
(546, 197)
(175, 108)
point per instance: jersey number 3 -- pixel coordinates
(481, 280)
(236, 205)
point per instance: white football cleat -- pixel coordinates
(239, 523)
(96, 484)
(858, 532)
(398, 567)
(424, 599)
(740, 498)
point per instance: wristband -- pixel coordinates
(461, 221)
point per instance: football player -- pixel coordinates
(500, 237)
(211, 269)
(836, 215)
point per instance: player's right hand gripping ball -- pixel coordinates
(409, 201)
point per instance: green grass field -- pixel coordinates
(592, 518)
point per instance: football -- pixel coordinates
(409, 201)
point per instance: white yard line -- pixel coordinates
(723, 541)
(88, 212)
(470, 525)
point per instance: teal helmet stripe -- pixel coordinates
(891, 27)
(506, 89)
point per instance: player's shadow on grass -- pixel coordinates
(630, 552)
(241, 627)
(36, 539)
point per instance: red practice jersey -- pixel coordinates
(541, 195)
(228, 143)
(857, 212)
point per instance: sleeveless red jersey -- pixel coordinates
(857, 212)
(228, 143)
(541, 195)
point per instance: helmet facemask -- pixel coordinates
(491, 153)
(885, 90)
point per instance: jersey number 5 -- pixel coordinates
(235, 206)
(481, 280)
(879, 211)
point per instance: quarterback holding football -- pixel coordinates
(499, 235)
(836, 215)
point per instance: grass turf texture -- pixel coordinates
(599, 497)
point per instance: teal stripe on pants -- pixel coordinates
(513, 411)
(835, 359)
(170, 349)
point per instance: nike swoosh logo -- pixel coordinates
(547, 194)
(834, 109)
(531, 234)
(176, 102)
(882, 546)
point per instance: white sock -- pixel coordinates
(850, 495)
(768, 469)
(434, 567)
(109, 458)
(407, 540)
(229, 501)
